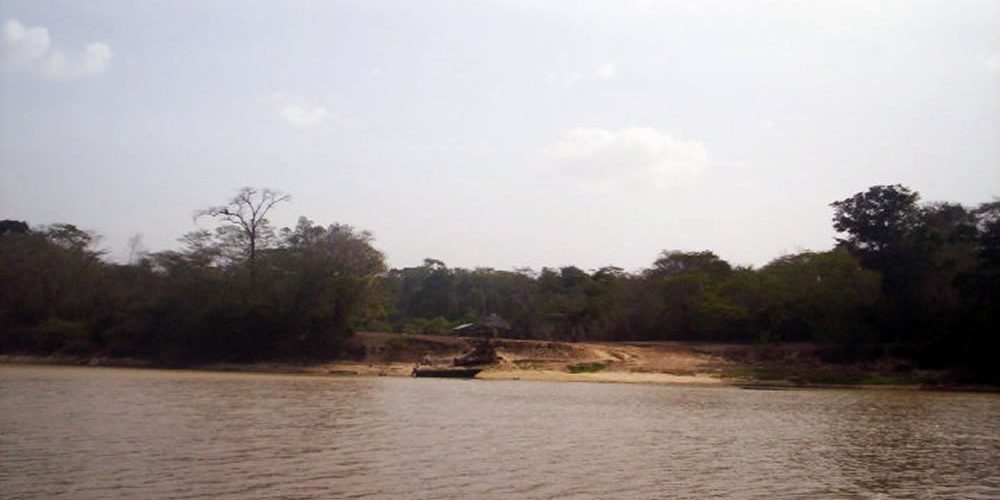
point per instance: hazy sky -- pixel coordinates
(498, 133)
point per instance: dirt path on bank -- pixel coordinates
(748, 365)
(700, 363)
(395, 354)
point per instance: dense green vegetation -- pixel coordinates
(911, 280)
(243, 292)
(586, 367)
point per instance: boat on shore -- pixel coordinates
(468, 365)
(445, 372)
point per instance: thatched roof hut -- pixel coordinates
(492, 326)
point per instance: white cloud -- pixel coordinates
(298, 113)
(22, 45)
(93, 60)
(607, 70)
(632, 157)
(604, 71)
(991, 62)
(300, 116)
(30, 49)
(572, 78)
(843, 17)
(764, 124)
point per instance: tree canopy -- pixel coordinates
(914, 280)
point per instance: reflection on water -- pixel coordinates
(108, 433)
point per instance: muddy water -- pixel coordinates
(111, 433)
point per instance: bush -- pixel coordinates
(436, 326)
(61, 336)
(586, 367)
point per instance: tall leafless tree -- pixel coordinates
(248, 212)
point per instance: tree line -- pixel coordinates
(242, 292)
(908, 279)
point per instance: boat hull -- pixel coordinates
(446, 372)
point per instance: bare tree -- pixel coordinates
(136, 250)
(248, 212)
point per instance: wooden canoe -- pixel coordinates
(446, 372)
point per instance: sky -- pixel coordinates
(502, 134)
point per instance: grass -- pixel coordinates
(829, 378)
(528, 364)
(818, 377)
(586, 367)
(889, 380)
(755, 374)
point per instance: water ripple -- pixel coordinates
(106, 433)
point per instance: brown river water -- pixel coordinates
(116, 433)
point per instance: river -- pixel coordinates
(117, 433)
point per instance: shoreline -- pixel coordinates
(337, 369)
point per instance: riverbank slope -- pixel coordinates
(751, 365)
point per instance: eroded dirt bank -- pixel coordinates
(785, 365)
(772, 366)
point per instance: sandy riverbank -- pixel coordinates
(393, 369)
(388, 354)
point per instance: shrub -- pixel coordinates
(586, 367)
